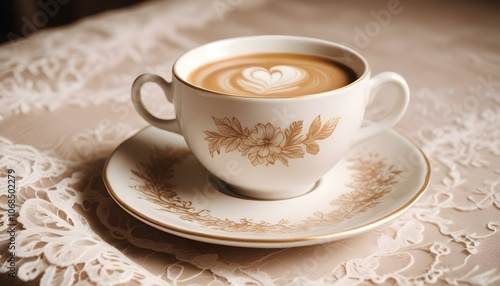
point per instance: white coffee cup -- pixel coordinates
(274, 170)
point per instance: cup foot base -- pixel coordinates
(252, 194)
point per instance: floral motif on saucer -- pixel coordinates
(155, 177)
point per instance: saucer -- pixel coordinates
(154, 177)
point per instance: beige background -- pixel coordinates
(64, 94)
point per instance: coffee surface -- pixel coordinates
(272, 75)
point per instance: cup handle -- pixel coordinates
(397, 111)
(165, 124)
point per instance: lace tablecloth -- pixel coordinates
(65, 106)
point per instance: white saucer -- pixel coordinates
(154, 177)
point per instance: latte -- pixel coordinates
(272, 75)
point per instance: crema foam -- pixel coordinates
(272, 75)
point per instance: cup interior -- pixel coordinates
(234, 47)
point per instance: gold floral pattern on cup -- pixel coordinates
(267, 144)
(371, 181)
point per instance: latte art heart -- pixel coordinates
(275, 80)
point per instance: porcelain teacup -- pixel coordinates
(275, 147)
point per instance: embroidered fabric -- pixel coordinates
(65, 104)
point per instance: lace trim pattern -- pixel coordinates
(71, 232)
(62, 70)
